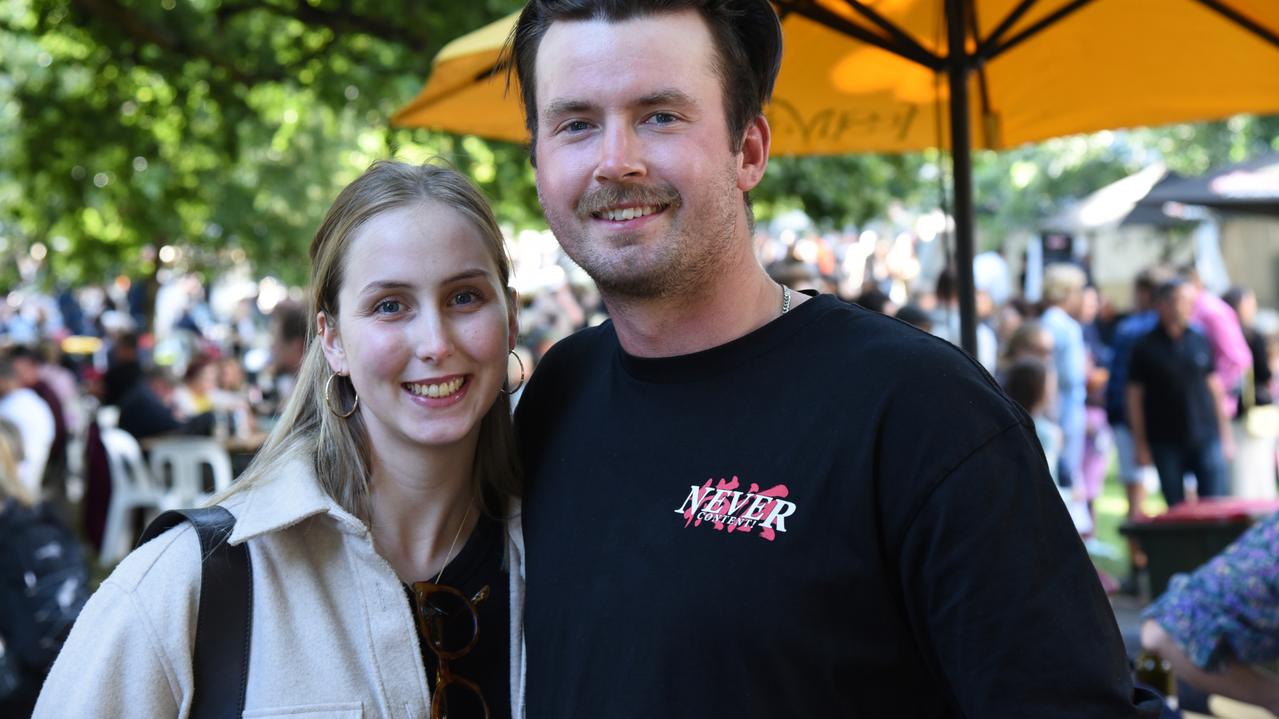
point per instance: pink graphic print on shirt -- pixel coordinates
(727, 508)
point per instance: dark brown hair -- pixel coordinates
(1027, 382)
(746, 33)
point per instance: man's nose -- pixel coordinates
(621, 155)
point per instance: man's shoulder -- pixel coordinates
(879, 342)
(1148, 338)
(25, 405)
(910, 369)
(1198, 338)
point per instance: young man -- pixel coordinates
(747, 502)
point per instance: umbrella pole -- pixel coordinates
(958, 69)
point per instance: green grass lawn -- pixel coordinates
(1112, 511)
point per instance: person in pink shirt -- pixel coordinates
(1220, 325)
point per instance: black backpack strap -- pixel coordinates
(225, 620)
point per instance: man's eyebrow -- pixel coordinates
(573, 106)
(568, 107)
(666, 97)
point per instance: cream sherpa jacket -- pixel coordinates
(333, 634)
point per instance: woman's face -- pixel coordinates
(423, 328)
(206, 380)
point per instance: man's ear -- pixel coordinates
(331, 343)
(512, 318)
(753, 158)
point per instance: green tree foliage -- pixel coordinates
(212, 125)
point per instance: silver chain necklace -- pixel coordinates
(785, 299)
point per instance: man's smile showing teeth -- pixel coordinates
(628, 213)
(442, 389)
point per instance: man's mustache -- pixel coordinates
(607, 196)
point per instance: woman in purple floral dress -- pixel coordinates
(1215, 625)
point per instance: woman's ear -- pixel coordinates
(331, 343)
(513, 318)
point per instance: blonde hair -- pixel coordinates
(339, 448)
(1060, 280)
(11, 486)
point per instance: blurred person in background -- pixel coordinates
(27, 411)
(48, 359)
(1219, 626)
(124, 367)
(195, 395)
(945, 319)
(913, 315)
(1063, 295)
(873, 299)
(1031, 339)
(148, 409)
(1219, 324)
(26, 367)
(288, 340)
(1252, 473)
(1097, 434)
(1128, 331)
(1244, 302)
(1026, 382)
(235, 397)
(44, 582)
(1175, 408)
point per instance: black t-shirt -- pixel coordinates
(887, 541)
(481, 564)
(1176, 402)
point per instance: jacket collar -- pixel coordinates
(281, 501)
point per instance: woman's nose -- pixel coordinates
(433, 338)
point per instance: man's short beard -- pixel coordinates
(680, 265)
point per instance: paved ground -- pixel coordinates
(1128, 617)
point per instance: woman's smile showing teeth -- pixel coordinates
(436, 389)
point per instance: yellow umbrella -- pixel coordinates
(878, 76)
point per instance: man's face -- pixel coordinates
(26, 371)
(634, 167)
(1175, 309)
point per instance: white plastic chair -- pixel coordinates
(131, 488)
(108, 416)
(181, 459)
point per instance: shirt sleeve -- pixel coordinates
(129, 652)
(1003, 598)
(1230, 350)
(1228, 609)
(110, 665)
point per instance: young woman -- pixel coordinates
(380, 516)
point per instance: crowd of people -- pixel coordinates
(1166, 386)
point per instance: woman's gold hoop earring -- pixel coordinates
(328, 398)
(521, 384)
